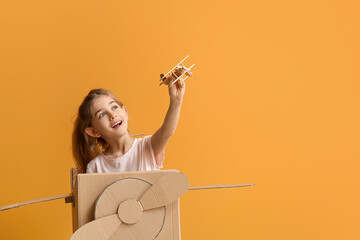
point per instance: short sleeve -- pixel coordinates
(147, 160)
(89, 168)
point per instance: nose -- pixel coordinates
(113, 116)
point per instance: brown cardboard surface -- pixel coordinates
(97, 230)
(118, 192)
(130, 211)
(165, 190)
(164, 222)
(147, 228)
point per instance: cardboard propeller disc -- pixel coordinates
(116, 193)
(120, 198)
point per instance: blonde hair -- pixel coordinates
(84, 147)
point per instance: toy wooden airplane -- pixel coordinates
(176, 74)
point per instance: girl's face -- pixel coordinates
(109, 119)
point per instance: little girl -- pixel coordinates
(101, 141)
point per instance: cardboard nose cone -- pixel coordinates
(130, 211)
(166, 190)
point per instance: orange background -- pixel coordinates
(274, 100)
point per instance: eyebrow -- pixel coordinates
(102, 109)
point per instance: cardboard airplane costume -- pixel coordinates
(126, 205)
(131, 205)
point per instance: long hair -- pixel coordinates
(85, 147)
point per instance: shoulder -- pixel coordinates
(143, 144)
(90, 168)
(144, 141)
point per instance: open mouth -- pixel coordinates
(117, 124)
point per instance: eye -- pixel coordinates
(115, 107)
(102, 115)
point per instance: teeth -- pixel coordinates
(117, 123)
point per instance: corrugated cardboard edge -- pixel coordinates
(73, 184)
(177, 234)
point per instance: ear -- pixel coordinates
(124, 108)
(126, 111)
(91, 132)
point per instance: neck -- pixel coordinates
(119, 146)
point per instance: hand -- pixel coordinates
(176, 90)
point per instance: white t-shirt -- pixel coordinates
(140, 157)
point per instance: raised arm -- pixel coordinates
(162, 136)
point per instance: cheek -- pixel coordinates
(123, 114)
(98, 124)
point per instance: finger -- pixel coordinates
(180, 83)
(173, 81)
(166, 81)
